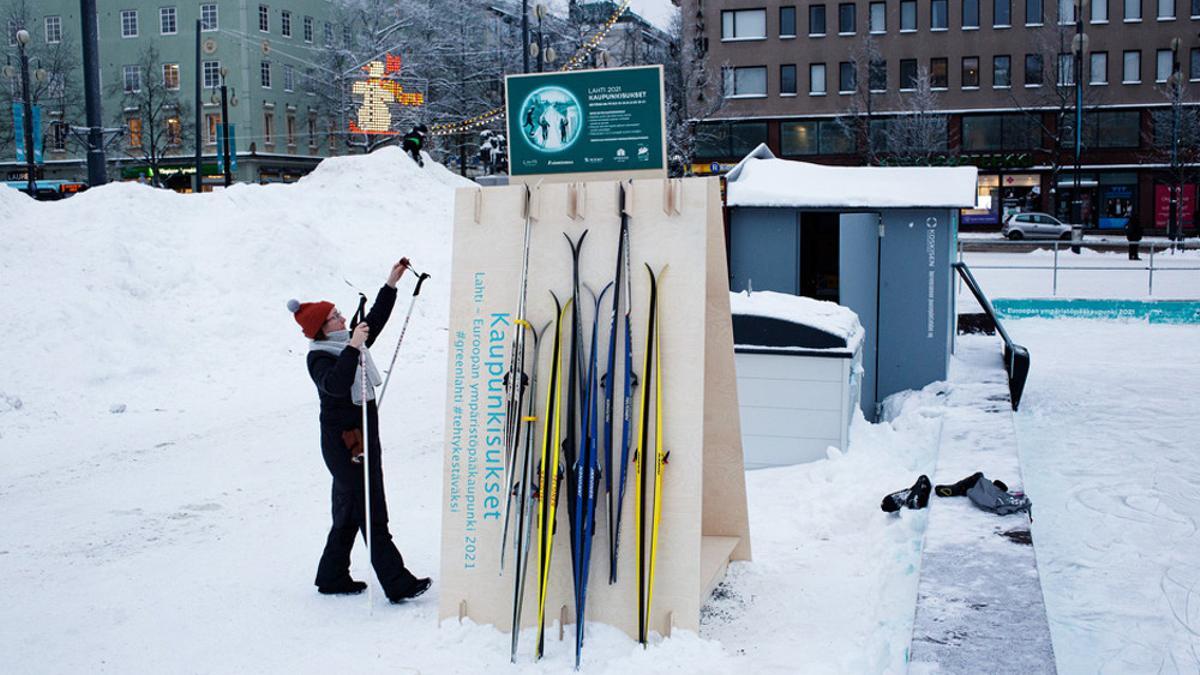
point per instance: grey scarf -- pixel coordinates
(335, 343)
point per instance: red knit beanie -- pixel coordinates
(310, 315)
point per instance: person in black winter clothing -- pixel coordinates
(414, 141)
(333, 364)
(1133, 232)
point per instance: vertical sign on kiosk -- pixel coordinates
(605, 123)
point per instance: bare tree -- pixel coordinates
(155, 128)
(1049, 108)
(1174, 142)
(858, 120)
(917, 135)
(59, 92)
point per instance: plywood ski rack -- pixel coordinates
(673, 223)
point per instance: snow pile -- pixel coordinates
(829, 317)
(762, 180)
(165, 497)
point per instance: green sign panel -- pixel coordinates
(591, 120)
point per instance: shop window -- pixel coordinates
(798, 138)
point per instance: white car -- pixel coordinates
(1035, 226)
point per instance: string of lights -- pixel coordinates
(575, 62)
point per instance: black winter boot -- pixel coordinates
(346, 586)
(960, 488)
(418, 587)
(914, 497)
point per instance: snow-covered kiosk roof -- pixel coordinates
(761, 179)
(771, 321)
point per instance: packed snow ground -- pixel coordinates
(164, 496)
(1108, 430)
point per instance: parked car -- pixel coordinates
(1035, 226)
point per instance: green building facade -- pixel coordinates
(267, 51)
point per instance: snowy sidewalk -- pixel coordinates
(979, 600)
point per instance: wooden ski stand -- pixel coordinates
(704, 522)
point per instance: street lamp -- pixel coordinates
(1173, 225)
(30, 168)
(225, 103)
(1079, 45)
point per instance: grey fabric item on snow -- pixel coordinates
(988, 497)
(335, 344)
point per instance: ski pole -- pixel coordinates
(403, 329)
(362, 367)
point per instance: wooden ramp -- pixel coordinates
(979, 600)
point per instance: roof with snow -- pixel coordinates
(833, 327)
(761, 179)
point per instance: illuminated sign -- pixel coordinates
(379, 91)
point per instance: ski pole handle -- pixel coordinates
(420, 280)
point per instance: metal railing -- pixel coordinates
(1016, 357)
(1161, 248)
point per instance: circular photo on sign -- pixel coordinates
(551, 119)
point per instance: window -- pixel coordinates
(1133, 10)
(1194, 64)
(309, 82)
(264, 19)
(312, 132)
(1110, 129)
(208, 17)
(212, 74)
(170, 75)
(846, 24)
(1066, 12)
(53, 30)
(1033, 13)
(174, 131)
(268, 128)
(835, 138)
(1166, 10)
(719, 140)
(1195, 9)
(1001, 13)
(1001, 71)
(877, 76)
(291, 131)
(1162, 65)
(878, 17)
(211, 122)
(1099, 11)
(939, 15)
(328, 34)
(816, 79)
(264, 74)
(1033, 70)
(939, 75)
(847, 78)
(798, 138)
(132, 79)
(908, 74)
(990, 133)
(1066, 70)
(58, 136)
(285, 23)
(787, 80)
(750, 81)
(167, 24)
(743, 24)
(308, 29)
(908, 15)
(970, 13)
(135, 132)
(816, 20)
(1099, 68)
(289, 77)
(970, 72)
(1131, 73)
(129, 23)
(787, 21)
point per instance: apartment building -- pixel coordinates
(833, 81)
(266, 50)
